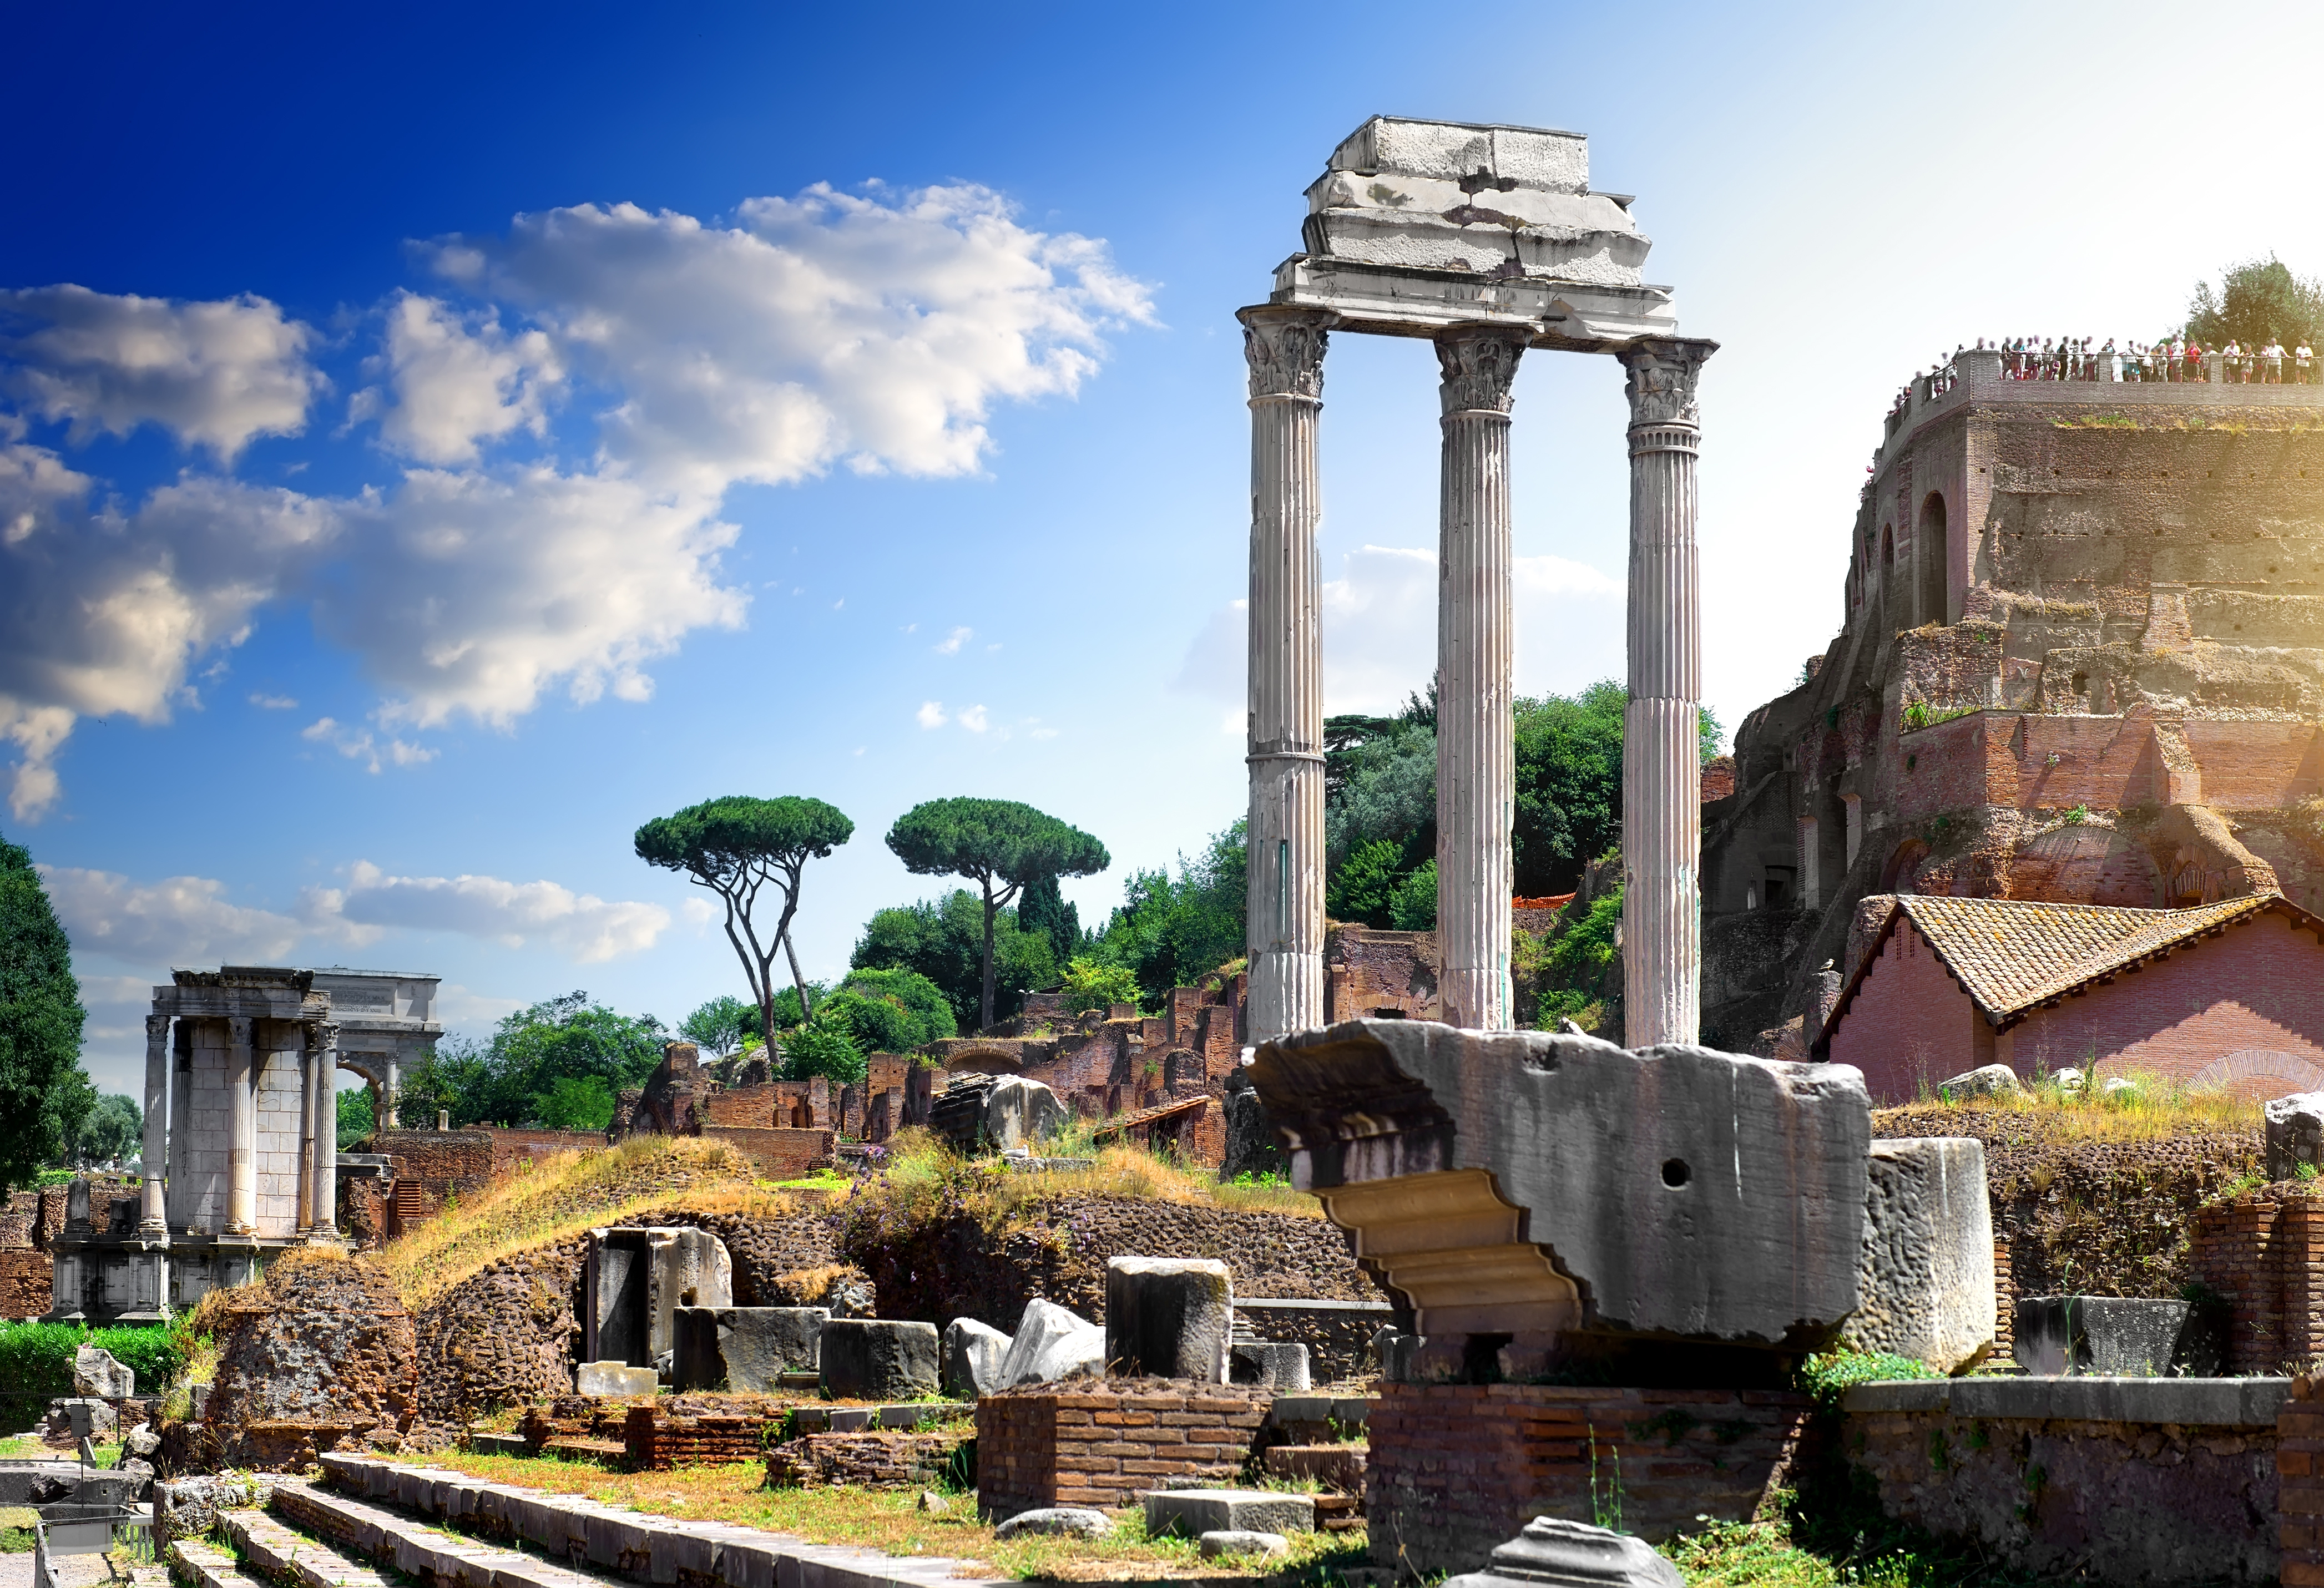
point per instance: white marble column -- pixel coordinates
(307, 1090)
(153, 1215)
(319, 1168)
(1284, 933)
(382, 1110)
(242, 1131)
(1662, 760)
(1476, 751)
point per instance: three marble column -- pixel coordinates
(1476, 686)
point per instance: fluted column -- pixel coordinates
(242, 1131)
(1476, 751)
(1284, 930)
(181, 1105)
(321, 1165)
(152, 1217)
(1662, 760)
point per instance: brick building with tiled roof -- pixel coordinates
(2230, 994)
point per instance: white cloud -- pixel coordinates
(876, 329)
(360, 744)
(457, 380)
(178, 921)
(1380, 632)
(215, 374)
(931, 714)
(584, 927)
(274, 702)
(951, 644)
(972, 717)
(100, 992)
(457, 1005)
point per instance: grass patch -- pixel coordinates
(889, 1521)
(561, 1195)
(2152, 1108)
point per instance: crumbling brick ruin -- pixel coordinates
(2079, 663)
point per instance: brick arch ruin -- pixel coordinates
(2261, 1072)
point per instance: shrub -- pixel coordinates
(1090, 985)
(36, 1359)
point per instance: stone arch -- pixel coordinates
(2260, 1073)
(983, 1061)
(1931, 550)
(1897, 876)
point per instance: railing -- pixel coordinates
(126, 1529)
(2271, 366)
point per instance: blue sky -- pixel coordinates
(474, 431)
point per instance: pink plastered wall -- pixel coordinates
(1910, 1023)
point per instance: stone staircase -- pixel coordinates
(377, 1524)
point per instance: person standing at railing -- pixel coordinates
(2270, 360)
(2231, 361)
(2303, 359)
(2191, 361)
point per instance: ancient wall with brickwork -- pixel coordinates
(1103, 1444)
(27, 1283)
(319, 1351)
(2264, 1253)
(1458, 1469)
(1911, 1025)
(779, 1154)
(511, 1147)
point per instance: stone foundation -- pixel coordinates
(1457, 1470)
(2264, 1252)
(26, 1279)
(1038, 1448)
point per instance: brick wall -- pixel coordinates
(464, 1156)
(511, 1147)
(1099, 1445)
(26, 1283)
(1910, 1023)
(2300, 1488)
(1457, 1470)
(2004, 1304)
(2264, 1252)
(780, 1154)
(20, 1221)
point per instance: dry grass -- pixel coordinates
(560, 1196)
(889, 1521)
(2153, 1110)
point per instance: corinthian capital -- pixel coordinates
(157, 1027)
(1663, 371)
(322, 1035)
(1479, 362)
(1285, 350)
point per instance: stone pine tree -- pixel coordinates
(44, 1094)
(738, 847)
(1002, 846)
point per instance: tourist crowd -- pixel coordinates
(2072, 358)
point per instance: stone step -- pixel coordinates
(283, 1554)
(394, 1542)
(206, 1566)
(626, 1544)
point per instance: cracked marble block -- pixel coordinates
(1541, 1187)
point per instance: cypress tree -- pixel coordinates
(44, 1094)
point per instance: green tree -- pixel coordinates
(1173, 932)
(354, 1116)
(1414, 908)
(113, 1130)
(1568, 785)
(825, 1045)
(1094, 985)
(943, 942)
(1043, 908)
(2258, 302)
(1001, 845)
(1364, 886)
(896, 1010)
(737, 847)
(720, 1025)
(44, 1094)
(513, 1079)
(575, 1102)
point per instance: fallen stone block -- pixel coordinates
(1189, 1513)
(1281, 1367)
(1551, 1550)
(616, 1379)
(971, 1358)
(1054, 1520)
(2117, 1336)
(1169, 1317)
(1227, 1542)
(2295, 1130)
(1540, 1185)
(746, 1349)
(1993, 1080)
(1926, 1283)
(877, 1359)
(97, 1375)
(1052, 1344)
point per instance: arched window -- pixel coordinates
(1933, 554)
(1887, 548)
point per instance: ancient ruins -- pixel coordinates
(1486, 240)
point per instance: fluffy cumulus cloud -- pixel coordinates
(181, 920)
(585, 928)
(214, 374)
(1380, 632)
(874, 331)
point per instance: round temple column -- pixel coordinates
(242, 1131)
(1661, 757)
(322, 1162)
(1476, 751)
(1283, 934)
(153, 1215)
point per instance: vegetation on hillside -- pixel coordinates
(557, 1063)
(44, 1094)
(2152, 1108)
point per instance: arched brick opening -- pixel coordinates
(2260, 1073)
(1930, 550)
(1897, 875)
(985, 1061)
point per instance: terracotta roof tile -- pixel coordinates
(2013, 953)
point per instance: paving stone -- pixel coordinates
(615, 1380)
(1056, 1519)
(1192, 1512)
